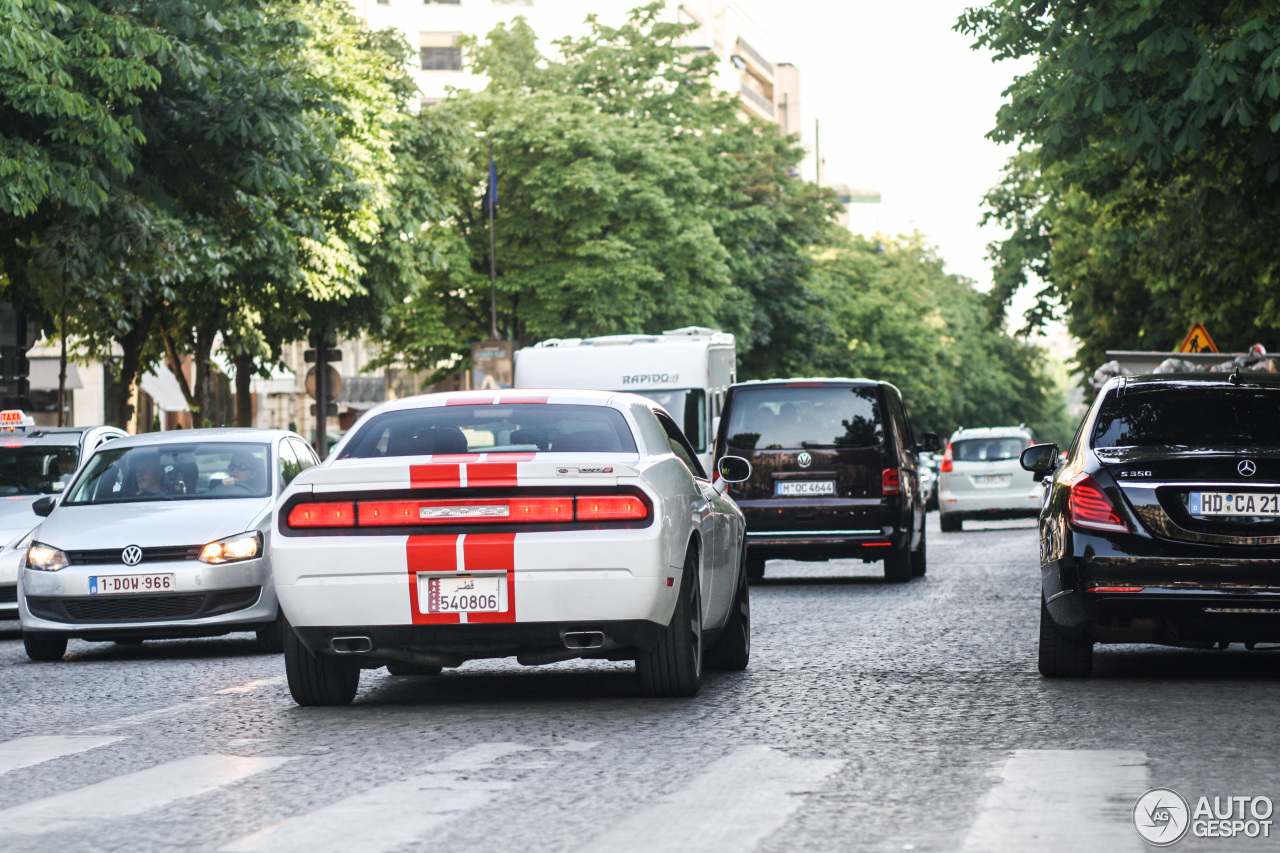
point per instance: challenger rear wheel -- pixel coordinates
(673, 667)
(733, 650)
(1061, 655)
(318, 679)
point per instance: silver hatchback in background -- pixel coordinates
(161, 535)
(981, 478)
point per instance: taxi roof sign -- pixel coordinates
(15, 419)
(1198, 340)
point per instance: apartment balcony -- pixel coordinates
(756, 103)
(752, 56)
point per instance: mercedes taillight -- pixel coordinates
(1089, 507)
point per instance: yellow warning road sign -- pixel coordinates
(1197, 340)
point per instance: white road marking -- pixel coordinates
(29, 751)
(251, 686)
(391, 816)
(735, 804)
(132, 794)
(1063, 800)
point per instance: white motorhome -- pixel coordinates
(687, 371)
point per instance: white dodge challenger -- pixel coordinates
(545, 525)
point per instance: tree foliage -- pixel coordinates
(1149, 182)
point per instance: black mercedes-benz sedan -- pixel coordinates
(1163, 524)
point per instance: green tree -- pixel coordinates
(1149, 182)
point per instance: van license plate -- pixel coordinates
(804, 488)
(123, 584)
(991, 481)
(1233, 503)
(463, 594)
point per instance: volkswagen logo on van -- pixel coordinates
(804, 459)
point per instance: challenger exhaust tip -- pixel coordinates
(583, 639)
(351, 645)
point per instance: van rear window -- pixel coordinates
(781, 417)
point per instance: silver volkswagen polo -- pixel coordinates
(160, 535)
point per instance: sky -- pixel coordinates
(904, 106)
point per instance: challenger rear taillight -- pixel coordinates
(335, 514)
(891, 481)
(611, 508)
(1089, 507)
(499, 510)
(947, 459)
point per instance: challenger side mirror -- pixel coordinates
(732, 469)
(43, 506)
(1040, 459)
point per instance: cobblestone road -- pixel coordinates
(874, 717)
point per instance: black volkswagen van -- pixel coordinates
(834, 472)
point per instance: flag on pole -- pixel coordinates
(491, 193)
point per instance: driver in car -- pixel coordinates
(245, 472)
(150, 475)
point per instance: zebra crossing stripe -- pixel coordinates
(736, 803)
(391, 816)
(132, 794)
(29, 751)
(1065, 800)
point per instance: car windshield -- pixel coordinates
(781, 417)
(686, 407)
(168, 472)
(526, 428)
(988, 449)
(1190, 417)
(36, 469)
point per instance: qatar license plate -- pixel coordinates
(1233, 503)
(991, 481)
(119, 584)
(805, 488)
(464, 593)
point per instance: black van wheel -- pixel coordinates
(897, 565)
(1060, 655)
(919, 557)
(673, 667)
(949, 523)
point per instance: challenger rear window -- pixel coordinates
(492, 429)
(777, 417)
(1190, 417)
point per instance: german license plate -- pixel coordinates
(991, 481)
(464, 593)
(1233, 503)
(804, 488)
(120, 584)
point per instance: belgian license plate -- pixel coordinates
(119, 584)
(805, 488)
(1233, 503)
(991, 481)
(464, 594)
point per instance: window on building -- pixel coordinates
(441, 2)
(440, 51)
(513, 2)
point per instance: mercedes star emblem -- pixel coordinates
(804, 459)
(1247, 468)
(131, 556)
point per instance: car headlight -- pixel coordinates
(45, 558)
(244, 546)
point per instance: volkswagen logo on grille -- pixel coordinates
(804, 459)
(1247, 468)
(131, 556)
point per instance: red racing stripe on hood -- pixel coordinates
(435, 476)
